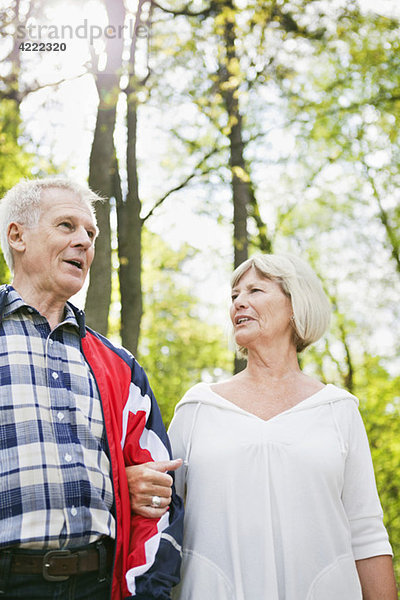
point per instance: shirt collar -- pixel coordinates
(12, 302)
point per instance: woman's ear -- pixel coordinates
(15, 236)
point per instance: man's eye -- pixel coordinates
(66, 224)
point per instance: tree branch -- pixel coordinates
(290, 25)
(182, 184)
(384, 218)
(20, 95)
(348, 377)
(374, 101)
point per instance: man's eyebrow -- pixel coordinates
(69, 217)
(61, 217)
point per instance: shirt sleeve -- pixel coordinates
(179, 450)
(155, 544)
(180, 433)
(360, 495)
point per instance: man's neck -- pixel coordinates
(47, 305)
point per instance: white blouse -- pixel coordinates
(277, 509)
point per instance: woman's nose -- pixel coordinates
(240, 300)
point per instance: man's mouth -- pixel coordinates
(75, 263)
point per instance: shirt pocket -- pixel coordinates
(201, 579)
(337, 580)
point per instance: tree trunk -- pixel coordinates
(130, 223)
(240, 182)
(101, 173)
(130, 243)
(100, 170)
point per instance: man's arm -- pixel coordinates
(148, 551)
(153, 561)
(377, 578)
(148, 480)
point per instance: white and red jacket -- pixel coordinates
(148, 551)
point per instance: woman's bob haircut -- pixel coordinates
(311, 307)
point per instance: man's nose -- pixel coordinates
(82, 238)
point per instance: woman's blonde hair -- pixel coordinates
(311, 307)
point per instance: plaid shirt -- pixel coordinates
(55, 479)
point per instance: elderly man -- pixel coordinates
(75, 411)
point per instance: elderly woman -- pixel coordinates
(280, 496)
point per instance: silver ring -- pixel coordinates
(156, 502)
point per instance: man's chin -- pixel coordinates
(73, 286)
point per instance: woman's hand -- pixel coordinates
(149, 482)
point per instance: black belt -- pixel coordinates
(58, 565)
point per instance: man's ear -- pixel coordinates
(15, 236)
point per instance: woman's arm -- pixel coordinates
(377, 578)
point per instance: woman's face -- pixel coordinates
(260, 311)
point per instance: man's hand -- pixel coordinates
(148, 480)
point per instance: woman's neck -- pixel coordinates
(272, 365)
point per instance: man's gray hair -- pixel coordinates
(22, 204)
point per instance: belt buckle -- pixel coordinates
(46, 565)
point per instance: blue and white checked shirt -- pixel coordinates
(55, 480)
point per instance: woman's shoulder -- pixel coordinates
(187, 408)
(337, 393)
(205, 394)
(197, 393)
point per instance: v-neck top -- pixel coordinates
(276, 509)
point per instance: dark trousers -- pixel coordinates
(77, 587)
(85, 586)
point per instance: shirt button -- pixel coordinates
(54, 375)
(30, 310)
(51, 341)
(60, 416)
(74, 512)
(68, 457)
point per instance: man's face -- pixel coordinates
(60, 248)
